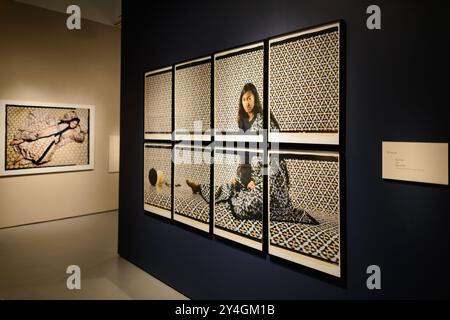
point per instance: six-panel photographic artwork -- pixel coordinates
(244, 144)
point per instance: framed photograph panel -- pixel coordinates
(43, 137)
(304, 81)
(158, 104)
(192, 188)
(157, 179)
(193, 100)
(304, 208)
(238, 93)
(238, 203)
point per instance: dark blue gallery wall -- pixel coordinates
(396, 84)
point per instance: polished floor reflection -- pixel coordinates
(34, 259)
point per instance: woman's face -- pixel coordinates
(73, 123)
(248, 101)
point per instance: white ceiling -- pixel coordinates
(103, 11)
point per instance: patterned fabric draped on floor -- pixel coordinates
(313, 186)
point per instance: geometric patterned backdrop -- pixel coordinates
(186, 202)
(225, 166)
(314, 184)
(193, 96)
(159, 158)
(158, 103)
(231, 74)
(304, 82)
(35, 119)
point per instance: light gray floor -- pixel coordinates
(34, 259)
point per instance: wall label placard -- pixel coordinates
(415, 161)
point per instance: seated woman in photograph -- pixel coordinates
(40, 138)
(250, 117)
(243, 193)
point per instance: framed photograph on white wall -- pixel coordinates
(44, 137)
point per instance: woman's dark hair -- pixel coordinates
(245, 173)
(256, 109)
(69, 121)
(152, 176)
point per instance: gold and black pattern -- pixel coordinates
(159, 158)
(320, 241)
(232, 73)
(191, 205)
(304, 82)
(160, 198)
(193, 98)
(158, 103)
(224, 219)
(314, 185)
(186, 202)
(35, 119)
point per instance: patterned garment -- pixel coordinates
(37, 152)
(258, 123)
(281, 206)
(244, 202)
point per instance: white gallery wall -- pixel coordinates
(41, 60)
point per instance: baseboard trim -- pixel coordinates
(59, 219)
